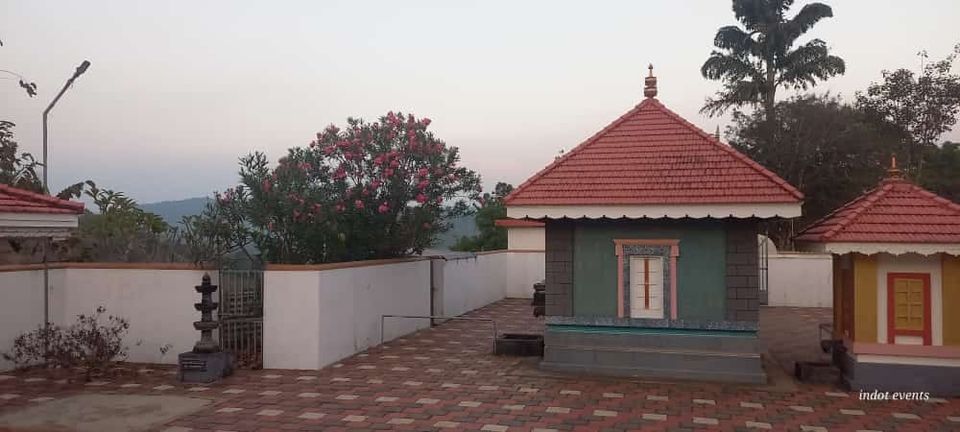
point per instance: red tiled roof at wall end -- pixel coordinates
(896, 211)
(651, 155)
(518, 223)
(15, 200)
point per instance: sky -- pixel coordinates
(179, 90)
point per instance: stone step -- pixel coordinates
(651, 363)
(653, 358)
(681, 340)
(657, 353)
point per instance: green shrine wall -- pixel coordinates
(701, 267)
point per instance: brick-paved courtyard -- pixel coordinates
(446, 378)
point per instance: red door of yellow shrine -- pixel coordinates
(908, 308)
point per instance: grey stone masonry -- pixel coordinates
(559, 267)
(655, 355)
(743, 285)
(937, 380)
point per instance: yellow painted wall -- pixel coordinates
(865, 298)
(951, 300)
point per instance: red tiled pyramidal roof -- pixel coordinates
(651, 155)
(14, 200)
(896, 211)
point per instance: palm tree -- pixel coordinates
(755, 60)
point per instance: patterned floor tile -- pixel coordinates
(404, 386)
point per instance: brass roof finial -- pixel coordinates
(650, 84)
(893, 171)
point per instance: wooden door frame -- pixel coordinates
(927, 331)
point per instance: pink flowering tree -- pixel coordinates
(369, 190)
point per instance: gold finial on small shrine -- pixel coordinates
(893, 171)
(650, 84)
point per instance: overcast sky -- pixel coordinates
(178, 90)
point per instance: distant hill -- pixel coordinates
(173, 211)
(460, 227)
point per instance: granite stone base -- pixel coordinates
(204, 367)
(654, 353)
(886, 377)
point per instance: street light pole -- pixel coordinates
(76, 74)
(46, 188)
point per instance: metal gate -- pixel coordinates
(241, 316)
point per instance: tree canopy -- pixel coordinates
(925, 105)
(490, 236)
(942, 170)
(829, 150)
(368, 190)
(754, 60)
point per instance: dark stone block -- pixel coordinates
(750, 270)
(559, 267)
(519, 344)
(204, 367)
(817, 372)
(737, 304)
(736, 281)
(734, 270)
(741, 258)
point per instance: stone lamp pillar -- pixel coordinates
(207, 362)
(206, 325)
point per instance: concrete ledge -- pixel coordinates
(105, 266)
(658, 354)
(643, 372)
(641, 323)
(341, 265)
(891, 377)
(682, 341)
(665, 351)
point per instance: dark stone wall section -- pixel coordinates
(941, 381)
(743, 286)
(559, 268)
(671, 356)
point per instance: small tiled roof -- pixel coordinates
(14, 200)
(518, 223)
(651, 155)
(896, 211)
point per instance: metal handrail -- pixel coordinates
(490, 320)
